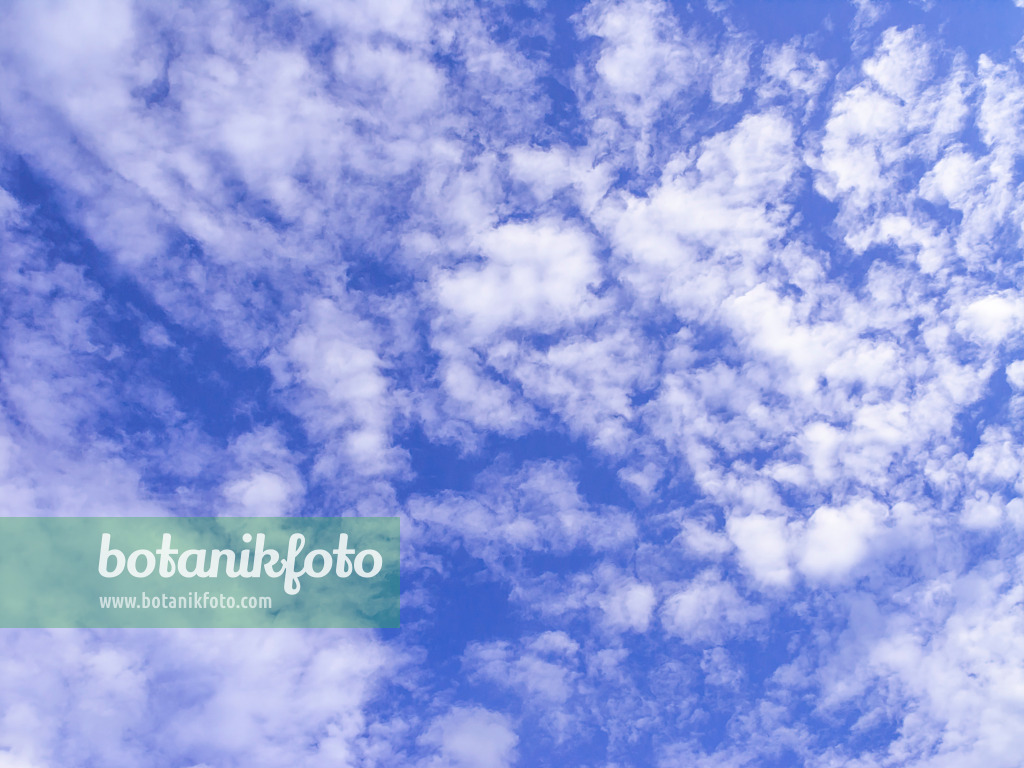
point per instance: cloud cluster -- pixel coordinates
(687, 349)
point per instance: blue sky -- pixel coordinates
(685, 339)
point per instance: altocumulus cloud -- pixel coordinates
(686, 340)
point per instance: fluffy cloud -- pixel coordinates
(709, 610)
(471, 737)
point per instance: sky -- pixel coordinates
(685, 339)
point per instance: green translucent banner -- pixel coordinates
(101, 572)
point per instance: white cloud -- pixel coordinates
(789, 68)
(763, 547)
(536, 509)
(836, 540)
(950, 661)
(992, 318)
(543, 670)
(644, 58)
(471, 737)
(534, 276)
(983, 512)
(730, 79)
(720, 670)
(320, 685)
(589, 382)
(902, 64)
(343, 393)
(700, 539)
(266, 481)
(709, 610)
(1015, 374)
(629, 606)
